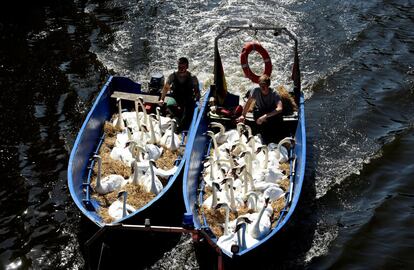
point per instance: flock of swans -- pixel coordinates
(241, 172)
(141, 140)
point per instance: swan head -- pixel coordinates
(262, 148)
(152, 162)
(122, 193)
(221, 205)
(228, 180)
(216, 124)
(216, 185)
(210, 133)
(240, 127)
(240, 221)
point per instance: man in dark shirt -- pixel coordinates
(267, 111)
(185, 91)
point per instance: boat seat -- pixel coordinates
(286, 118)
(132, 96)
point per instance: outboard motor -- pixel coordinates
(156, 83)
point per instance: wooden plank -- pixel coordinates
(133, 97)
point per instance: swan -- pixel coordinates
(141, 104)
(262, 155)
(214, 174)
(238, 148)
(165, 173)
(141, 163)
(244, 240)
(123, 154)
(260, 227)
(109, 183)
(136, 178)
(278, 153)
(153, 152)
(227, 240)
(283, 151)
(118, 210)
(155, 135)
(273, 193)
(233, 201)
(120, 121)
(150, 181)
(252, 199)
(170, 140)
(123, 137)
(163, 122)
(211, 201)
(230, 137)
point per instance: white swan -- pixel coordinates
(123, 154)
(252, 199)
(153, 152)
(141, 104)
(136, 178)
(123, 137)
(155, 135)
(118, 210)
(165, 173)
(120, 121)
(260, 227)
(170, 140)
(163, 122)
(108, 183)
(273, 193)
(233, 201)
(150, 181)
(227, 240)
(230, 137)
(212, 200)
(244, 240)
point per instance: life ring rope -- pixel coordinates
(247, 49)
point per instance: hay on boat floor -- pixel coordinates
(137, 196)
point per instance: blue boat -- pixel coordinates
(200, 148)
(87, 145)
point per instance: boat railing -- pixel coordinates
(87, 185)
(289, 194)
(197, 235)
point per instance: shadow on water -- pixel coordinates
(122, 249)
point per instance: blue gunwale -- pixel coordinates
(193, 168)
(83, 149)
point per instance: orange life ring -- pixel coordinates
(247, 48)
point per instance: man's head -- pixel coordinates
(264, 80)
(182, 65)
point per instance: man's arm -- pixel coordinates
(196, 88)
(246, 107)
(165, 89)
(279, 108)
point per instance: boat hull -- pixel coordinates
(194, 166)
(165, 209)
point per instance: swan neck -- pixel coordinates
(214, 199)
(136, 174)
(137, 115)
(124, 211)
(226, 221)
(153, 187)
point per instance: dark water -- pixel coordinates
(357, 59)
